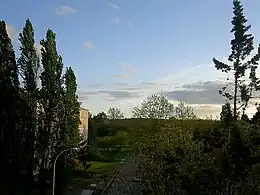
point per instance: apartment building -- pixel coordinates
(83, 127)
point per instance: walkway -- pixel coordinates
(125, 183)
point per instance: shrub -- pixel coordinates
(180, 159)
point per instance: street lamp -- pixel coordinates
(54, 166)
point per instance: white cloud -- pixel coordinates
(89, 45)
(99, 96)
(64, 10)
(207, 110)
(102, 101)
(126, 71)
(114, 6)
(126, 67)
(116, 20)
(121, 76)
(202, 80)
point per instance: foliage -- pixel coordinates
(245, 118)
(177, 159)
(91, 131)
(114, 113)
(112, 141)
(100, 117)
(226, 115)
(256, 118)
(158, 107)
(90, 116)
(51, 102)
(183, 155)
(101, 129)
(154, 107)
(29, 65)
(100, 126)
(11, 132)
(157, 153)
(241, 48)
(71, 135)
(37, 123)
(184, 112)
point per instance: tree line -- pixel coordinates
(39, 117)
(211, 157)
(155, 106)
(39, 112)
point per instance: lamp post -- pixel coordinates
(54, 167)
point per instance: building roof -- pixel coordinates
(84, 109)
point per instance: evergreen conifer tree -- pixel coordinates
(241, 48)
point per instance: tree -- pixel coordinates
(72, 110)
(91, 130)
(28, 63)
(67, 126)
(226, 115)
(11, 126)
(99, 126)
(51, 105)
(100, 117)
(241, 48)
(36, 123)
(184, 112)
(245, 118)
(154, 107)
(90, 115)
(114, 113)
(256, 117)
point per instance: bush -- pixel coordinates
(180, 159)
(160, 155)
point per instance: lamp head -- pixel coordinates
(76, 148)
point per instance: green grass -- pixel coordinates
(102, 167)
(99, 173)
(104, 163)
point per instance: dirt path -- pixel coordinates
(125, 182)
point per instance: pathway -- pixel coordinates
(125, 183)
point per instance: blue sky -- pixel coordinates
(124, 50)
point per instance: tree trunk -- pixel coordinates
(235, 96)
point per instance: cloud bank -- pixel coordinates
(64, 10)
(199, 91)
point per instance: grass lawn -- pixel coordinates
(99, 173)
(102, 167)
(101, 170)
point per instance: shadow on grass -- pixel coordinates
(104, 164)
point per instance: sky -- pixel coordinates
(124, 50)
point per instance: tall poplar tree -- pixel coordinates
(72, 109)
(50, 104)
(69, 132)
(29, 66)
(10, 128)
(241, 48)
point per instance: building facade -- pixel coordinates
(83, 127)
